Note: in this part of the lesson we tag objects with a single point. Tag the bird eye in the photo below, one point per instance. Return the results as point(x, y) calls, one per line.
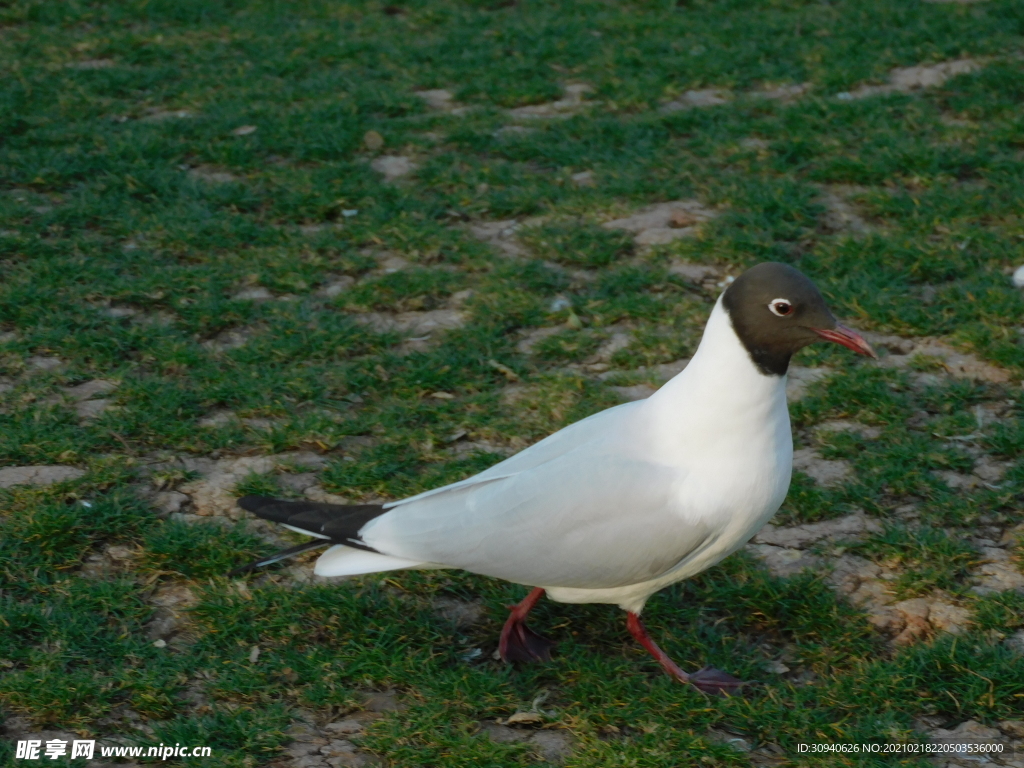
point(780, 307)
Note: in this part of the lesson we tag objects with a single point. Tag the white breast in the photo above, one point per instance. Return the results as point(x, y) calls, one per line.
point(728, 425)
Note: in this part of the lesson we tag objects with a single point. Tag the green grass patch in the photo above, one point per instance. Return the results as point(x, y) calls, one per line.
point(133, 212)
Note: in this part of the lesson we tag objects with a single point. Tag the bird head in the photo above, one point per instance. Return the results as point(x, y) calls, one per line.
point(776, 310)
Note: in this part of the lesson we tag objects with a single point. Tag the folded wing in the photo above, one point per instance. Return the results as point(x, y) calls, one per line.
point(586, 519)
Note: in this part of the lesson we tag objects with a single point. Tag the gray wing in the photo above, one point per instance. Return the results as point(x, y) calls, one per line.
point(551, 447)
point(589, 518)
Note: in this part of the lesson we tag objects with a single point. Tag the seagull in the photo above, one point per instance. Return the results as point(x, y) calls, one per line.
point(621, 504)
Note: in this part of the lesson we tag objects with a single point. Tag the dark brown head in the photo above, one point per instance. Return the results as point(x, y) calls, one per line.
point(776, 310)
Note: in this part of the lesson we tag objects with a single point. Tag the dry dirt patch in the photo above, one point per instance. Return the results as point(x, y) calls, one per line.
point(908, 79)
point(38, 476)
point(571, 103)
point(664, 222)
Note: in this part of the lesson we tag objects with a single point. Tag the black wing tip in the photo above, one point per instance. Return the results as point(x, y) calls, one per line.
point(242, 570)
point(284, 554)
point(255, 503)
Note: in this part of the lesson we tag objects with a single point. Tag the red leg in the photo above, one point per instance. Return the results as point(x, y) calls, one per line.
point(708, 680)
point(520, 643)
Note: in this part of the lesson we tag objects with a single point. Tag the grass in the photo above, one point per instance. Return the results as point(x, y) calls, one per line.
point(110, 200)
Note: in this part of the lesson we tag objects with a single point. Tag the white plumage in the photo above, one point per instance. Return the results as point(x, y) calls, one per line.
point(616, 506)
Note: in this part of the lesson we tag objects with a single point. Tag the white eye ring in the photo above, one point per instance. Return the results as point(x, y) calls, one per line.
point(781, 307)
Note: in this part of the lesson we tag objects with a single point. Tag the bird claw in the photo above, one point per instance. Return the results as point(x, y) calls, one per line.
point(520, 644)
point(715, 681)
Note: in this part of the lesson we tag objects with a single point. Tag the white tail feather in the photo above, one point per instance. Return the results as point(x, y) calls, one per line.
point(340, 560)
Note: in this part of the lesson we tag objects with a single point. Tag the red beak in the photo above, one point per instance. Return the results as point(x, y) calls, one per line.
point(848, 337)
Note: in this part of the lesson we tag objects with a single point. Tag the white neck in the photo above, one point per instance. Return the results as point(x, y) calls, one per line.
point(721, 394)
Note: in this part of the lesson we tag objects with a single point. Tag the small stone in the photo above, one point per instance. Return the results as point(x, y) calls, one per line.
point(951, 619)
point(161, 643)
point(91, 409)
point(169, 502)
point(253, 294)
point(216, 419)
point(393, 167)
point(297, 482)
point(840, 214)
point(45, 363)
point(1015, 641)
point(501, 235)
point(584, 179)
point(998, 576)
point(1014, 728)
point(694, 273)
point(783, 562)
point(382, 701)
point(681, 219)
point(777, 667)
point(254, 654)
point(571, 102)
point(708, 97)
point(336, 287)
point(553, 746)
point(244, 130)
point(303, 733)
point(90, 389)
point(723, 737)
point(957, 481)
point(914, 613)
point(917, 607)
point(502, 734)
point(558, 304)
point(437, 98)
point(212, 175)
point(389, 263)
point(462, 613)
point(337, 747)
point(991, 471)
point(1018, 277)
point(373, 140)
point(345, 727)
point(1012, 535)
point(119, 313)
